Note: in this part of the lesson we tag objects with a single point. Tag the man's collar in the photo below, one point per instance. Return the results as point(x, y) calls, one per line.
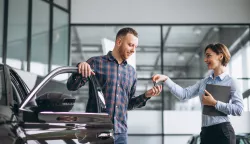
point(112, 58)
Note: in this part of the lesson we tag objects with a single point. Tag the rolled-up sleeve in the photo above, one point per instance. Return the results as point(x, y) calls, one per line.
point(75, 81)
point(235, 106)
point(136, 102)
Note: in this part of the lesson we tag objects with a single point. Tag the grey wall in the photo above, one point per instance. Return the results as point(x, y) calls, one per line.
point(160, 11)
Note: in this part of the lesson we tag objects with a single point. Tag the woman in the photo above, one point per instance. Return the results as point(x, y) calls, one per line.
point(215, 129)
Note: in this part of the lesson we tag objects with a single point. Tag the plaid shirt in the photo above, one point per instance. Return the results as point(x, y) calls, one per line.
point(118, 82)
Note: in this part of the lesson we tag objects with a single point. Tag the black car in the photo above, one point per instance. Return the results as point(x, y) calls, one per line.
point(247, 135)
point(40, 118)
point(240, 139)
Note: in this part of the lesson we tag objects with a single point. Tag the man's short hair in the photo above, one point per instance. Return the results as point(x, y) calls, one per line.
point(124, 31)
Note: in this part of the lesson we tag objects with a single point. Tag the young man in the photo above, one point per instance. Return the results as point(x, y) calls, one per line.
point(118, 80)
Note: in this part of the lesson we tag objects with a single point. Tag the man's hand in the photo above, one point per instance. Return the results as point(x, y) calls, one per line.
point(155, 91)
point(85, 69)
point(159, 78)
point(208, 99)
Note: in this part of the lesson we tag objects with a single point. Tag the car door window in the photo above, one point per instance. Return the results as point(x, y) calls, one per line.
point(241, 142)
point(2, 87)
point(21, 84)
point(18, 92)
point(198, 141)
point(16, 96)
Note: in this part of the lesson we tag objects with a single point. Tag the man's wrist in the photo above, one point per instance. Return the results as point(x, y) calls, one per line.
point(146, 96)
point(214, 103)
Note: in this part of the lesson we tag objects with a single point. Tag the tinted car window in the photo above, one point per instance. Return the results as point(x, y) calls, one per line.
point(2, 87)
point(20, 83)
point(18, 88)
point(198, 141)
point(16, 93)
point(241, 142)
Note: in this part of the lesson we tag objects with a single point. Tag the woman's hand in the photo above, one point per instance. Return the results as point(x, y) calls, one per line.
point(208, 99)
point(159, 78)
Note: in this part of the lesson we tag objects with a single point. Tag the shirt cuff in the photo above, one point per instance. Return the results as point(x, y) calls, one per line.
point(219, 105)
point(144, 98)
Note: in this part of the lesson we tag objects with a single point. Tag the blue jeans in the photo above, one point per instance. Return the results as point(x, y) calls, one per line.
point(121, 138)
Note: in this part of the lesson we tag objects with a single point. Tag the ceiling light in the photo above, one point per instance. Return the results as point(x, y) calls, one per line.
point(197, 30)
point(215, 29)
point(196, 56)
point(181, 57)
point(170, 74)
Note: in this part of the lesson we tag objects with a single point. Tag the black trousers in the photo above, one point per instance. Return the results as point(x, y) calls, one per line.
point(222, 133)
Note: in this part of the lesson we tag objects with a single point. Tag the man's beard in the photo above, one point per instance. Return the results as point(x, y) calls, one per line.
point(122, 53)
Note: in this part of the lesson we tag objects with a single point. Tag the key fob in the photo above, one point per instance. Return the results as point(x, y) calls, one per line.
point(154, 84)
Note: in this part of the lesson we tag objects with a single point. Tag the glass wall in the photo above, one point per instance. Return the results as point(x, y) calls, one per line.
point(1, 27)
point(183, 61)
point(248, 61)
point(62, 3)
point(240, 70)
point(35, 29)
point(60, 39)
point(237, 70)
point(248, 71)
point(17, 34)
point(40, 38)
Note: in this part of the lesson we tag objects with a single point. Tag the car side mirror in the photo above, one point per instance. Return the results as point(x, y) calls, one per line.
point(55, 102)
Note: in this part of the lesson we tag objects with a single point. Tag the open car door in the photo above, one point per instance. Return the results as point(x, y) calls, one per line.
point(51, 118)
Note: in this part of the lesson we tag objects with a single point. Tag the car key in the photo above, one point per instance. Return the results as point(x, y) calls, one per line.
point(154, 83)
